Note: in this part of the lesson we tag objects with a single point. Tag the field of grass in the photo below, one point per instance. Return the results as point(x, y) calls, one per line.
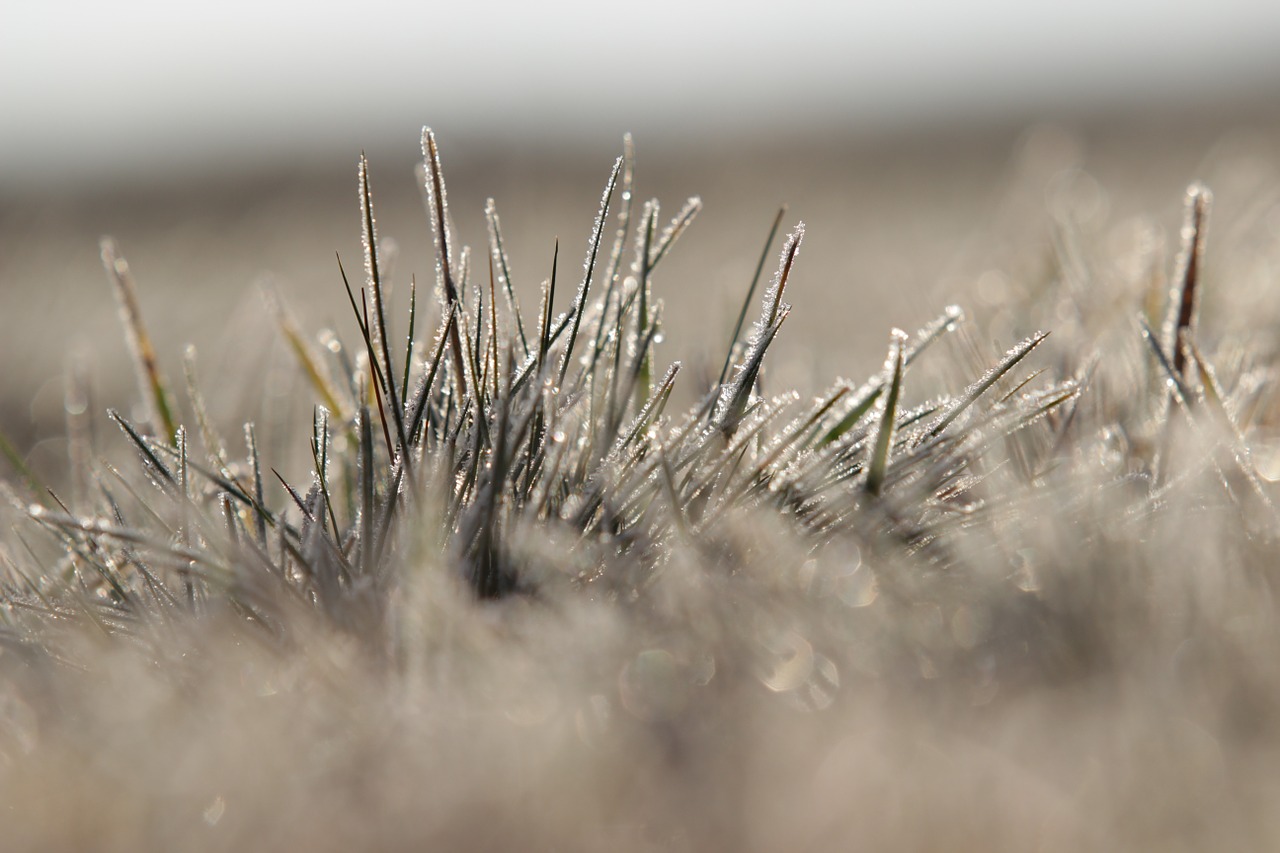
point(512, 572)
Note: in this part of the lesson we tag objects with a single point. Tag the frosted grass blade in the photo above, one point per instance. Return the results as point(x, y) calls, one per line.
point(894, 367)
point(150, 381)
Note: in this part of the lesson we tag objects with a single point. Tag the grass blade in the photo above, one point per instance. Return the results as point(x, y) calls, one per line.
point(593, 250)
point(438, 210)
point(150, 381)
point(1184, 300)
point(504, 272)
point(977, 389)
point(673, 231)
point(751, 293)
point(894, 368)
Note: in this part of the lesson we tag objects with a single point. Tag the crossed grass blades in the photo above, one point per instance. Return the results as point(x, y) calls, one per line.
point(462, 451)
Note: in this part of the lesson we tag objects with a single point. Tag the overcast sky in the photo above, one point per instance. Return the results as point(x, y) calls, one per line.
point(87, 86)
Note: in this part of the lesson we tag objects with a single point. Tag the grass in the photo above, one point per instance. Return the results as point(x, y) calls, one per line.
point(525, 602)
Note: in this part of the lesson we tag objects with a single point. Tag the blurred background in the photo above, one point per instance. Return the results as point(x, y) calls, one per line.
point(933, 148)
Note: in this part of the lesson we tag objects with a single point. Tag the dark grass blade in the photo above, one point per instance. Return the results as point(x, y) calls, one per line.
point(612, 273)
point(428, 380)
point(593, 251)
point(438, 212)
point(409, 340)
point(377, 326)
point(1184, 302)
point(751, 293)
point(492, 349)
point(377, 384)
point(544, 324)
point(1181, 392)
point(733, 404)
point(488, 577)
point(652, 409)
point(734, 397)
point(153, 461)
point(365, 520)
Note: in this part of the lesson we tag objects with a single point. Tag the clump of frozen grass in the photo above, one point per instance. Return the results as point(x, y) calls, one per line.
point(522, 603)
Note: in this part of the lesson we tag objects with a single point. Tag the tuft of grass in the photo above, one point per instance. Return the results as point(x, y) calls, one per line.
point(520, 602)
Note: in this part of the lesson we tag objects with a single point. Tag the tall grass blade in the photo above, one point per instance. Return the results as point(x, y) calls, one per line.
point(751, 293)
point(499, 252)
point(150, 381)
point(438, 210)
point(409, 340)
point(733, 398)
point(373, 278)
point(589, 267)
point(1184, 300)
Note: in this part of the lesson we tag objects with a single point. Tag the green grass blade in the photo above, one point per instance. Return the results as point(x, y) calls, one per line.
point(255, 471)
point(894, 368)
point(870, 393)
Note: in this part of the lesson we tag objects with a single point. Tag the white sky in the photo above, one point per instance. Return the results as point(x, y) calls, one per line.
point(84, 85)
